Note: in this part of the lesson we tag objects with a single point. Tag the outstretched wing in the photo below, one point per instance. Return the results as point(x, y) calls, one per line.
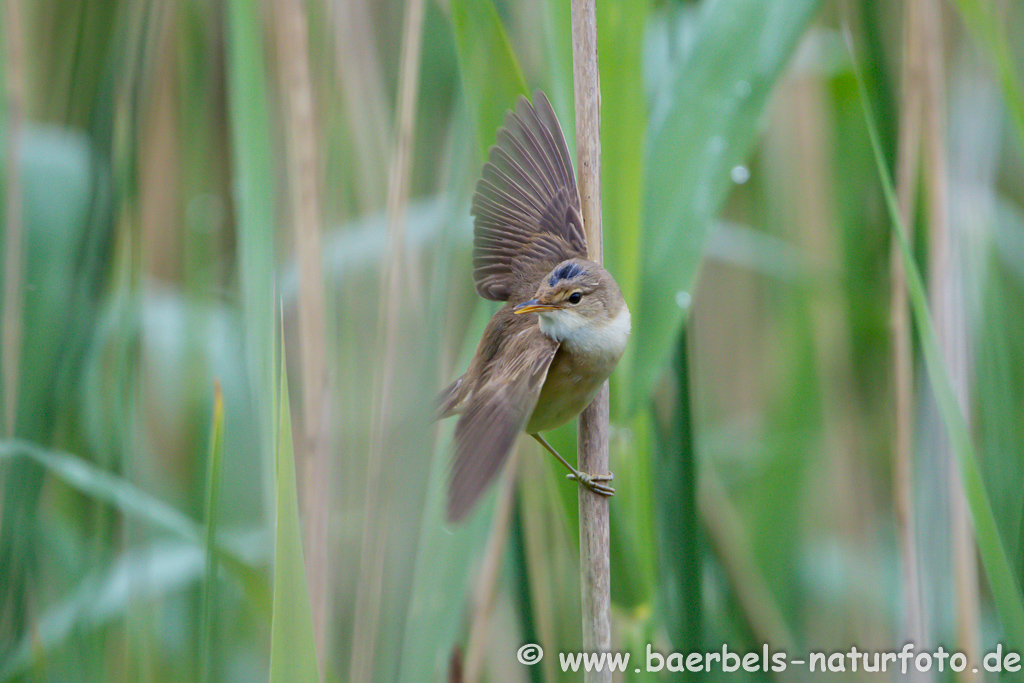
point(496, 413)
point(527, 206)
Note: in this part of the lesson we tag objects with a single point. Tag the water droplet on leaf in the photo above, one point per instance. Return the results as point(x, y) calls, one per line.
point(739, 174)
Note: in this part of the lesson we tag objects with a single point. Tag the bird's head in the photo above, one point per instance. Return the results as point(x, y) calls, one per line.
point(578, 298)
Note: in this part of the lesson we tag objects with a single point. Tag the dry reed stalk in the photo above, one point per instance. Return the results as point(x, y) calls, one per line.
point(374, 540)
point(592, 442)
point(907, 168)
point(13, 295)
point(946, 294)
point(159, 156)
point(304, 212)
point(545, 528)
point(483, 597)
point(362, 80)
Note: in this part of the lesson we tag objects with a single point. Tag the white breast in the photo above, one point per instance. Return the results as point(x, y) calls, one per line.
point(607, 338)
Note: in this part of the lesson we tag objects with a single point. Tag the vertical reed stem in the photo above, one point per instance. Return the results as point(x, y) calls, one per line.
point(907, 169)
point(304, 211)
point(592, 445)
point(13, 299)
point(374, 543)
point(947, 299)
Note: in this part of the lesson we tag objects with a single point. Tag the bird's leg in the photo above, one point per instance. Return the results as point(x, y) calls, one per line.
point(594, 482)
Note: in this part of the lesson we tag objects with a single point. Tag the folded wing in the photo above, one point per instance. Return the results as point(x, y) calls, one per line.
point(495, 414)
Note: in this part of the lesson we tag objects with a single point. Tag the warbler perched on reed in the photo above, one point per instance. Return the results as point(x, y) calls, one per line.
point(545, 354)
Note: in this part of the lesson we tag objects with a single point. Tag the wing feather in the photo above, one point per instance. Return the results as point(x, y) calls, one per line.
point(526, 206)
point(495, 414)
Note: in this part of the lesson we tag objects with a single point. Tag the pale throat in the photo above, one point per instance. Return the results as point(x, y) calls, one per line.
point(604, 337)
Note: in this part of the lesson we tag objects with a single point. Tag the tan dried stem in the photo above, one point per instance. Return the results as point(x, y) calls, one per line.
point(304, 212)
point(946, 294)
point(486, 586)
point(159, 153)
point(13, 297)
point(366, 107)
point(912, 96)
point(592, 442)
point(374, 540)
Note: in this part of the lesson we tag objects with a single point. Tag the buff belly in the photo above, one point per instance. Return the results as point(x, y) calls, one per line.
point(585, 359)
point(567, 390)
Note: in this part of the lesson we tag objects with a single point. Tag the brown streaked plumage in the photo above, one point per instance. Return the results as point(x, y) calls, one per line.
point(531, 372)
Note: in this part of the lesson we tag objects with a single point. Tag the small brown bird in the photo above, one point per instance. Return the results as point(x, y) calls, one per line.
point(531, 372)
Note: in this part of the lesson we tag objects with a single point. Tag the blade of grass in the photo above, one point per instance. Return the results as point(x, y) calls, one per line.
point(490, 72)
point(434, 623)
point(103, 595)
point(444, 554)
point(675, 512)
point(292, 648)
point(1000, 345)
point(728, 533)
point(1005, 591)
point(368, 117)
point(550, 550)
point(301, 133)
point(397, 280)
point(947, 280)
point(209, 597)
point(620, 33)
point(559, 65)
point(634, 548)
point(104, 486)
point(132, 501)
point(55, 310)
point(487, 579)
point(703, 123)
point(254, 180)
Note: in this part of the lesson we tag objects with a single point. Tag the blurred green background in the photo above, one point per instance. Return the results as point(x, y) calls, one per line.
point(207, 204)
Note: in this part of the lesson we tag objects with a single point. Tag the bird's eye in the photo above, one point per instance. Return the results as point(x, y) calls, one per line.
point(575, 297)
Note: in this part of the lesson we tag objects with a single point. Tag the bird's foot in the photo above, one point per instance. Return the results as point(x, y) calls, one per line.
point(594, 482)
